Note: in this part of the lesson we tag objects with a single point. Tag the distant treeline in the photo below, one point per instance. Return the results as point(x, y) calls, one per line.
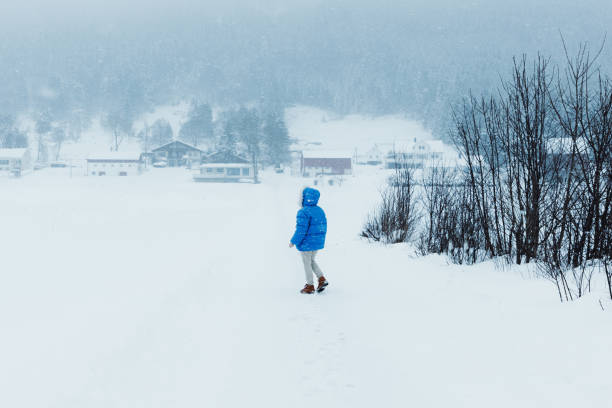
point(413, 58)
point(258, 134)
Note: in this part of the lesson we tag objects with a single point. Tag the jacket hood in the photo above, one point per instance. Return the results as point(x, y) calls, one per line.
point(310, 197)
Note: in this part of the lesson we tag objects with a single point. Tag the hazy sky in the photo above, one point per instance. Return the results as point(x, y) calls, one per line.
point(54, 10)
point(74, 10)
point(48, 11)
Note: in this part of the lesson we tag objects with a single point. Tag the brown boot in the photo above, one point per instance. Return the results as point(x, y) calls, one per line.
point(322, 284)
point(308, 289)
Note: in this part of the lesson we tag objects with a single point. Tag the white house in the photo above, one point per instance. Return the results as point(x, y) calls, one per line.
point(177, 153)
point(224, 167)
point(372, 157)
point(114, 164)
point(420, 154)
point(15, 160)
point(224, 172)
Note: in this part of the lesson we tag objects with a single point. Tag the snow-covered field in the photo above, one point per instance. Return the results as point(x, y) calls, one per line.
point(155, 291)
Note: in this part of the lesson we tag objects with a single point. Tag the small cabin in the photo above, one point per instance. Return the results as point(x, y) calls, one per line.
point(224, 167)
point(15, 161)
point(114, 164)
point(318, 163)
point(374, 156)
point(417, 155)
point(177, 154)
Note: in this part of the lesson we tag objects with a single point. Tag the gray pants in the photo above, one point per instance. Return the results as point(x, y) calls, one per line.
point(310, 266)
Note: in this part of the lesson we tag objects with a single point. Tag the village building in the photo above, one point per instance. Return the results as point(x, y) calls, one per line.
point(321, 163)
point(177, 154)
point(373, 157)
point(15, 161)
point(114, 164)
point(296, 163)
point(224, 167)
point(417, 155)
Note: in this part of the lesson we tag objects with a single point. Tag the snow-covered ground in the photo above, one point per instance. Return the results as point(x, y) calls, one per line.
point(155, 291)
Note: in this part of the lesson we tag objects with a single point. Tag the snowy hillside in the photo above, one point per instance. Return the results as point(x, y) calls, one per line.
point(310, 127)
point(156, 291)
point(314, 128)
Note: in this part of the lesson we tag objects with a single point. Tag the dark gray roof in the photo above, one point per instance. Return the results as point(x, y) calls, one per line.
point(177, 144)
point(224, 157)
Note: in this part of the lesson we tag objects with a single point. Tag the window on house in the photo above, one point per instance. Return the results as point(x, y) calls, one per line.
point(220, 170)
point(209, 169)
point(123, 173)
point(4, 162)
point(233, 172)
point(245, 172)
point(102, 173)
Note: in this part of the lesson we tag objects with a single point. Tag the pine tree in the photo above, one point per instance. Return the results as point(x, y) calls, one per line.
point(58, 135)
point(10, 136)
point(120, 123)
point(228, 139)
point(276, 139)
point(44, 124)
point(7, 123)
point(198, 126)
point(250, 135)
point(161, 133)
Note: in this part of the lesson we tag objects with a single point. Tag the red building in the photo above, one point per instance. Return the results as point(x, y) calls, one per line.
point(316, 163)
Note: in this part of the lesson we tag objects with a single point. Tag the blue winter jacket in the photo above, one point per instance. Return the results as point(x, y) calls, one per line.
point(311, 225)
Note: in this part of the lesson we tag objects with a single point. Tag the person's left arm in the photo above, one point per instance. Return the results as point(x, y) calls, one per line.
point(301, 227)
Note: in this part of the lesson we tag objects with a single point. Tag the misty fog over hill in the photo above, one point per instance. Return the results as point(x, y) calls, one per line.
point(414, 58)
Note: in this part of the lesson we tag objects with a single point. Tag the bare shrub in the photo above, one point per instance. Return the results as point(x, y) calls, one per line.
point(451, 219)
point(571, 283)
point(396, 218)
point(538, 171)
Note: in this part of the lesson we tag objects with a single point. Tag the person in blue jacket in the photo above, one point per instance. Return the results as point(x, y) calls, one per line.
point(309, 237)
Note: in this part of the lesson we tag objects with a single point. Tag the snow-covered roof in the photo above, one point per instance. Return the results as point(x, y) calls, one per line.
point(425, 146)
point(563, 145)
point(177, 142)
point(224, 165)
point(224, 157)
point(326, 154)
point(12, 153)
point(114, 156)
point(437, 145)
